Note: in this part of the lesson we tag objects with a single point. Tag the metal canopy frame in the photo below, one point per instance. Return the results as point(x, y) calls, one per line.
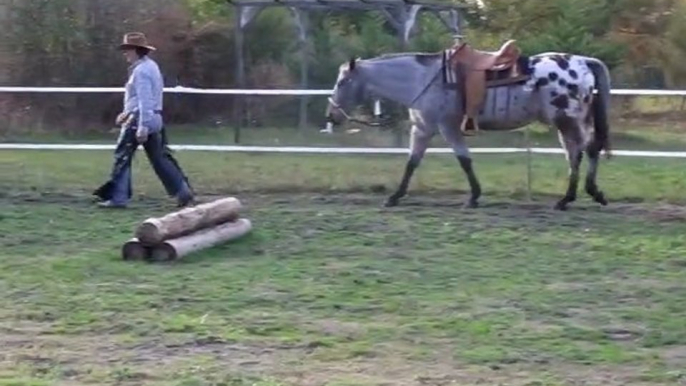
point(401, 14)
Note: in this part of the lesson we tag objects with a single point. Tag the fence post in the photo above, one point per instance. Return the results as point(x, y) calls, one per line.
point(528, 163)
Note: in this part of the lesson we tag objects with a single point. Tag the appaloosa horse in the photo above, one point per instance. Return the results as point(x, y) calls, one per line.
point(559, 91)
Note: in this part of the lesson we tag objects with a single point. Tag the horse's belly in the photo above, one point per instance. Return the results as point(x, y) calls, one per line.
point(507, 108)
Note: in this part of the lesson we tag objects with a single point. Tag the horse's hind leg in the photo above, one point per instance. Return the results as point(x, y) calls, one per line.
point(593, 152)
point(419, 141)
point(571, 139)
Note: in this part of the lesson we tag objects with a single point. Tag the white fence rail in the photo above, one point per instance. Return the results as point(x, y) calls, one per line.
point(336, 150)
point(296, 149)
point(275, 92)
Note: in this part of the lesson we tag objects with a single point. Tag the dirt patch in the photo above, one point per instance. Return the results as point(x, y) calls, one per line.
point(675, 356)
point(79, 357)
point(448, 198)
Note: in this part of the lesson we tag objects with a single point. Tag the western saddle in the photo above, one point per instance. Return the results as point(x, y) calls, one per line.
point(484, 69)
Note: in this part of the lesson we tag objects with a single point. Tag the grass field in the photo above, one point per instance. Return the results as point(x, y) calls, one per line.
point(332, 289)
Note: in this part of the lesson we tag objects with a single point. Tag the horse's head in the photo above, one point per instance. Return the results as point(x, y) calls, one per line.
point(348, 93)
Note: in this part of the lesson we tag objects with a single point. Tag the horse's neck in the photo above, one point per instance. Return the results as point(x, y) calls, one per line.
point(400, 80)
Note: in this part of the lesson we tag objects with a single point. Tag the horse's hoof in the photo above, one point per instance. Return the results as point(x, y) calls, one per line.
point(390, 203)
point(471, 204)
point(561, 205)
point(600, 199)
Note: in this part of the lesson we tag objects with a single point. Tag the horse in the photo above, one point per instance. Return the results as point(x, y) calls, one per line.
point(559, 91)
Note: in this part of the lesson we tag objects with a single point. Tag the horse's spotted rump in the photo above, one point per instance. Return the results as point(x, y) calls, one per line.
point(542, 82)
point(568, 82)
point(573, 91)
point(561, 102)
point(561, 61)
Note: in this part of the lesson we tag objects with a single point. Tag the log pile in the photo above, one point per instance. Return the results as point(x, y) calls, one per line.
point(188, 230)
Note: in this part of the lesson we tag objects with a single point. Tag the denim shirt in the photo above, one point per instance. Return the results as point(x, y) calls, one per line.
point(143, 94)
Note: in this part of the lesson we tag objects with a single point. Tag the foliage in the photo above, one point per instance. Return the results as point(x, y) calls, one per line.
point(72, 42)
point(577, 26)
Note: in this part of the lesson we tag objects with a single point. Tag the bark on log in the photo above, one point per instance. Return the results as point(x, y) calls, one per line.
point(173, 249)
point(188, 220)
point(135, 250)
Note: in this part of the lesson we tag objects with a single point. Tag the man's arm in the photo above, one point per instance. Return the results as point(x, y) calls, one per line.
point(143, 85)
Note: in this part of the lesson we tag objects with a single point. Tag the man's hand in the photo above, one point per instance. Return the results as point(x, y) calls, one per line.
point(142, 134)
point(121, 118)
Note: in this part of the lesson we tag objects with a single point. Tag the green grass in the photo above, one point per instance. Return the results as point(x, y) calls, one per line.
point(331, 289)
point(641, 135)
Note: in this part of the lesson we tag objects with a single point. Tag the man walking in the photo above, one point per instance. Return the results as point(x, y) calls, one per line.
point(141, 123)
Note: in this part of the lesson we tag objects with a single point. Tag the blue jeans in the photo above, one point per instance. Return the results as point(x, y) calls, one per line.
point(119, 189)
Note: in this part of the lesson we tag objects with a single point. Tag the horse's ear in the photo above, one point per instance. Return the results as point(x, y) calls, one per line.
point(351, 64)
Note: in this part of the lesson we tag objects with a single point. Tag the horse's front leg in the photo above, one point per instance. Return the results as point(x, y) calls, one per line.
point(419, 141)
point(454, 137)
point(474, 186)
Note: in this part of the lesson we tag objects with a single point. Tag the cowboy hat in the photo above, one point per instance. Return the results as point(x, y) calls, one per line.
point(135, 39)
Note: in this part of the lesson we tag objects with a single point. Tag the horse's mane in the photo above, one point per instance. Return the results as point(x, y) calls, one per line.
point(419, 56)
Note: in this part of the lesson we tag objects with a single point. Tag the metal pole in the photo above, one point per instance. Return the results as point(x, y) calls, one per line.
point(240, 74)
point(528, 163)
point(302, 24)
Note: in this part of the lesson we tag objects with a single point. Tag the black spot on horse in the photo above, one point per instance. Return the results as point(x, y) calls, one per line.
point(562, 82)
point(561, 62)
point(573, 74)
point(553, 76)
point(587, 98)
point(541, 82)
point(573, 91)
point(567, 56)
point(561, 102)
point(535, 61)
point(525, 64)
point(553, 93)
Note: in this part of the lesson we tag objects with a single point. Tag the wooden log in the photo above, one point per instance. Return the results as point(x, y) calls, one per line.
point(188, 220)
point(173, 249)
point(135, 250)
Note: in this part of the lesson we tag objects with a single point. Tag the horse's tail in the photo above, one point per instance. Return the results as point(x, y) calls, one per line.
point(601, 104)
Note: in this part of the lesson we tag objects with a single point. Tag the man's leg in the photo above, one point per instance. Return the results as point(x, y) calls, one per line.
point(167, 169)
point(117, 191)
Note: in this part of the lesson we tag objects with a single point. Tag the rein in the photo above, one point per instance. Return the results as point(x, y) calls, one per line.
point(350, 118)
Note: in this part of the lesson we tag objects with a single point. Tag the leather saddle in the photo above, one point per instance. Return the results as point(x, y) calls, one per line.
point(484, 69)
